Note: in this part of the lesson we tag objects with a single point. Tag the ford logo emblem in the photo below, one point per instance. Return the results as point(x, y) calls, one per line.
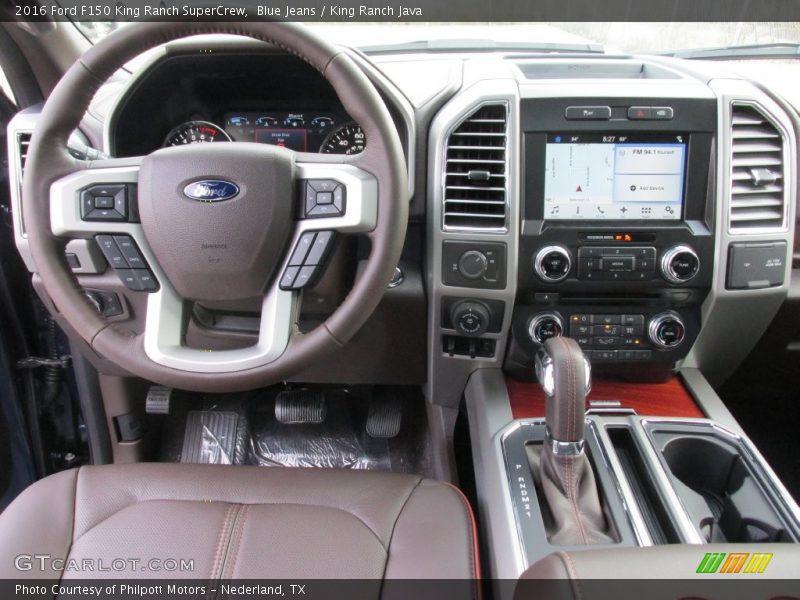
point(211, 190)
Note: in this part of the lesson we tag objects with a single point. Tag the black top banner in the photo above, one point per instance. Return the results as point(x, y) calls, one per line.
point(449, 11)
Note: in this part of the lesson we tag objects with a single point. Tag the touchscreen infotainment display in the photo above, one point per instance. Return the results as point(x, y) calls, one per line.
point(614, 177)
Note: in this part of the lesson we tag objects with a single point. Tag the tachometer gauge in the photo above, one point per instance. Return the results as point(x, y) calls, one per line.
point(348, 139)
point(196, 132)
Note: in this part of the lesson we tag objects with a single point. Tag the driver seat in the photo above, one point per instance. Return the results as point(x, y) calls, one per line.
point(237, 522)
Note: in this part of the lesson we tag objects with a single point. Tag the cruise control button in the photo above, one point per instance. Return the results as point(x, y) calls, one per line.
point(319, 248)
point(147, 283)
point(130, 251)
point(130, 279)
point(302, 248)
point(111, 251)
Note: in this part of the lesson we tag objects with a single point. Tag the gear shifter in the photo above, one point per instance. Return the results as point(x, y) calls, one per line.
point(565, 473)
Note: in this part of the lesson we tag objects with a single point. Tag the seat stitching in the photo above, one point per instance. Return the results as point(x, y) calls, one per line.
point(71, 541)
point(394, 525)
point(216, 570)
point(229, 537)
point(474, 559)
point(237, 533)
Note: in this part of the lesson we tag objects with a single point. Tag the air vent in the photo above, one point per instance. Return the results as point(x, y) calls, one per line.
point(758, 201)
point(23, 141)
point(475, 172)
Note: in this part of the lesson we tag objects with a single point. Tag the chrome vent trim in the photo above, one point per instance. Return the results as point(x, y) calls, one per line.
point(759, 200)
point(475, 190)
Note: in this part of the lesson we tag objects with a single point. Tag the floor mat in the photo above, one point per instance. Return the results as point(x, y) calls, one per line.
point(197, 422)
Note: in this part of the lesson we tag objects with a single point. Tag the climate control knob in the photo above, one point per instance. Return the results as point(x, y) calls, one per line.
point(470, 317)
point(552, 263)
point(544, 326)
point(679, 264)
point(473, 264)
point(667, 330)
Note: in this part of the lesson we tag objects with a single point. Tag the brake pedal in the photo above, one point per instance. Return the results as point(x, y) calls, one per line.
point(300, 406)
point(384, 418)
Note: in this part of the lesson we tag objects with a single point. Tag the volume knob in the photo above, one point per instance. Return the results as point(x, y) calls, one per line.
point(552, 263)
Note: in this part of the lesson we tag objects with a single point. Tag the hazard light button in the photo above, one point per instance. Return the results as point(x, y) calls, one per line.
point(638, 113)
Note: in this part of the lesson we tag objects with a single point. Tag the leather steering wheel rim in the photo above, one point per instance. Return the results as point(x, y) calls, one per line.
point(48, 161)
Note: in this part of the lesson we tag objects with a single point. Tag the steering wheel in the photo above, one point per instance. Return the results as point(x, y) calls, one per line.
point(215, 221)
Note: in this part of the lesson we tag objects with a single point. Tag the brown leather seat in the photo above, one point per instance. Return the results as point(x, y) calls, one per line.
point(242, 522)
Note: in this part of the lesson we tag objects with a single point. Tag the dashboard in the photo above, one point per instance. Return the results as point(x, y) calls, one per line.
point(637, 204)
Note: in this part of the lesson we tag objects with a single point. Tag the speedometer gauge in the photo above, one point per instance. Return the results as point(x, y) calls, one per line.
point(196, 132)
point(348, 139)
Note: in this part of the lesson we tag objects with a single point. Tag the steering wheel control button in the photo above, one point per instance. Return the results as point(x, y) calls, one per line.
point(130, 251)
point(304, 277)
point(129, 279)
point(112, 252)
point(145, 279)
point(301, 249)
point(104, 203)
point(319, 248)
point(309, 253)
point(324, 198)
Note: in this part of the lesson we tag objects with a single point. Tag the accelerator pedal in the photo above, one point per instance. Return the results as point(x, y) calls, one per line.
point(385, 416)
point(300, 406)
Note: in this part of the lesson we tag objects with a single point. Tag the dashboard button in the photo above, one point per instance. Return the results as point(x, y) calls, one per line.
point(581, 319)
point(582, 330)
point(607, 329)
point(663, 113)
point(627, 355)
point(588, 113)
point(605, 354)
point(638, 113)
point(606, 342)
point(619, 263)
point(608, 319)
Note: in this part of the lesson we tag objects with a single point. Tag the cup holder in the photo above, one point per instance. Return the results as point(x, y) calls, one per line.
point(718, 489)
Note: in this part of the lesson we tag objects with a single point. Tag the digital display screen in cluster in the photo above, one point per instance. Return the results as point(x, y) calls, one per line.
point(300, 131)
point(614, 177)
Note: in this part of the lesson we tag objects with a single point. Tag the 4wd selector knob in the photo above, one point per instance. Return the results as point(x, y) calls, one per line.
point(544, 326)
point(666, 330)
point(679, 264)
point(473, 264)
point(552, 263)
point(470, 317)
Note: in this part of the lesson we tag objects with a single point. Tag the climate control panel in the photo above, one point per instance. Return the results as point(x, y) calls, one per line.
point(611, 336)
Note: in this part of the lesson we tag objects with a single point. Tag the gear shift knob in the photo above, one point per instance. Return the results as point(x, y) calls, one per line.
point(565, 375)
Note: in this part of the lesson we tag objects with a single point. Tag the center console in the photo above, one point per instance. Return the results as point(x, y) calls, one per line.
point(646, 213)
point(616, 244)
